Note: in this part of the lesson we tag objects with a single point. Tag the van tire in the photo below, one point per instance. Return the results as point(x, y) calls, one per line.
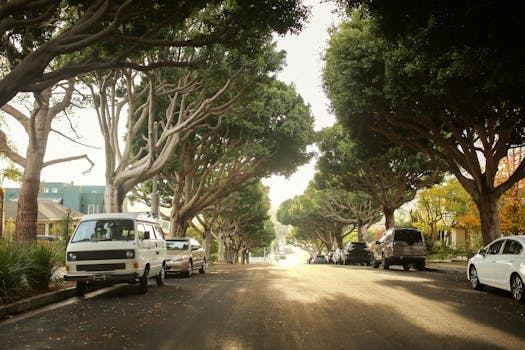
point(161, 276)
point(80, 289)
point(143, 282)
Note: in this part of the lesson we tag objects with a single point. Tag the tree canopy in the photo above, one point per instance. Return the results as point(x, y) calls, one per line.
point(444, 80)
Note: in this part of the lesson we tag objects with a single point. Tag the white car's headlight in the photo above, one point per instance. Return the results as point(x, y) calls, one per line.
point(71, 256)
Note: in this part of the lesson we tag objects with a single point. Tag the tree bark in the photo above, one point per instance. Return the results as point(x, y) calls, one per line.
point(390, 219)
point(489, 217)
point(361, 233)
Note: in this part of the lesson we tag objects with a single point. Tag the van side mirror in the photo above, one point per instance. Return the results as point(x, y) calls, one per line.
point(146, 235)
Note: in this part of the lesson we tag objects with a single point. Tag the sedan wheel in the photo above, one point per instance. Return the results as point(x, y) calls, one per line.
point(516, 287)
point(474, 280)
point(161, 276)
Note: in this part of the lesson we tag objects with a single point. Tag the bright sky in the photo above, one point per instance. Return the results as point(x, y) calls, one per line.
point(303, 69)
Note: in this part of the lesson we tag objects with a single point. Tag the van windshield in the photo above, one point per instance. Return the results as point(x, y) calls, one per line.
point(409, 236)
point(104, 230)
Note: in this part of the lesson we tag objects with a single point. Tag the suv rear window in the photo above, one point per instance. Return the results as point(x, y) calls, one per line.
point(409, 236)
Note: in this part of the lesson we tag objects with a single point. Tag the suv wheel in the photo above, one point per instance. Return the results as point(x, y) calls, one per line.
point(374, 262)
point(386, 262)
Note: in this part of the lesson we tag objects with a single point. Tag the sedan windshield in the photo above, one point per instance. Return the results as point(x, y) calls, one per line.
point(177, 245)
point(104, 230)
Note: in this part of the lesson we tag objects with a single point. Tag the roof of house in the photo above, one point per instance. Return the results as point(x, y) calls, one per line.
point(48, 210)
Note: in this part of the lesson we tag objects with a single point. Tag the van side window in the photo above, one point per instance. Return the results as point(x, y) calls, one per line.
point(159, 232)
point(151, 231)
point(140, 231)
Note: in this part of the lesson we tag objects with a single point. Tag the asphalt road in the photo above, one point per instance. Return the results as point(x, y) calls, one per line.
point(280, 307)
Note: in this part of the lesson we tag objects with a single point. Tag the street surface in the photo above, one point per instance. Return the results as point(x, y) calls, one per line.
point(280, 307)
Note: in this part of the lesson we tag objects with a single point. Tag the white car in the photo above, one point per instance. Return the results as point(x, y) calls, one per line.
point(501, 264)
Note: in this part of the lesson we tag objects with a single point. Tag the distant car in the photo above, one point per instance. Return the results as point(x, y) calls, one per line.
point(320, 259)
point(185, 254)
point(330, 257)
point(501, 264)
point(357, 253)
point(339, 256)
point(400, 246)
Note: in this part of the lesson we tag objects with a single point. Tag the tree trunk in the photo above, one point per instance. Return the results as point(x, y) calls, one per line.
point(390, 220)
point(221, 254)
point(178, 226)
point(113, 197)
point(2, 199)
point(27, 212)
point(206, 243)
point(489, 216)
point(362, 233)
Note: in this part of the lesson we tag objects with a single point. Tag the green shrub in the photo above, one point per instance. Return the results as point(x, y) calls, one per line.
point(13, 265)
point(43, 260)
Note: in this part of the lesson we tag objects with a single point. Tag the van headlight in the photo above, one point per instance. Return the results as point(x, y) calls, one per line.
point(71, 256)
point(130, 254)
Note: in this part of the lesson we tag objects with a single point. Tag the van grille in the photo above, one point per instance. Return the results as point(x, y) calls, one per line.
point(101, 255)
point(101, 267)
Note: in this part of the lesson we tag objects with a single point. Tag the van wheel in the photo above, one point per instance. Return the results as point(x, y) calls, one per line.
point(203, 267)
point(143, 282)
point(161, 276)
point(80, 289)
point(386, 262)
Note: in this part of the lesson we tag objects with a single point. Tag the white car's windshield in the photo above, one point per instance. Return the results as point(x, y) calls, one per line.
point(104, 230)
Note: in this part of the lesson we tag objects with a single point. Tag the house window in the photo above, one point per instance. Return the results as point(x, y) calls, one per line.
point(91, 209)
point(54, 190)
point(46, 190)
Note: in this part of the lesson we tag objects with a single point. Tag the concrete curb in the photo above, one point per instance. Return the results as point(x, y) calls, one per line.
point(36, 302)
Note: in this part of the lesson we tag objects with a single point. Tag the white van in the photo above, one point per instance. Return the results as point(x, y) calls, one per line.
point(116, 248)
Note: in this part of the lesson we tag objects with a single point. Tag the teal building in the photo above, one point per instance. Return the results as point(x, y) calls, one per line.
point(84, 199)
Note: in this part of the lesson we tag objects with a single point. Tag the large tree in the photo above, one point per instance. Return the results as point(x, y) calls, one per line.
point(44, 42)
point(37, 124)
point(389, 174)
point(444, 78)
point(268, 133)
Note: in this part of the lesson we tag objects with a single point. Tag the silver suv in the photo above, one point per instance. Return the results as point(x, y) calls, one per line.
point(400, 246)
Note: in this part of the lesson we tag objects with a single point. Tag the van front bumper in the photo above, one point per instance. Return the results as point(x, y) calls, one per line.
point(104, 277)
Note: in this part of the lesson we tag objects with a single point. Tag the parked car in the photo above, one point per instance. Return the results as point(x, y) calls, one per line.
point(116, 248)
point(400, 246)
point(357, 253)
point(339, 256)
point(185, 254)
point(330, 257)
point(320, 259)
point(501, 264)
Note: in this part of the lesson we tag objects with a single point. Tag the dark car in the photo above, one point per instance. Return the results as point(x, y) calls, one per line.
point(357, 253)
